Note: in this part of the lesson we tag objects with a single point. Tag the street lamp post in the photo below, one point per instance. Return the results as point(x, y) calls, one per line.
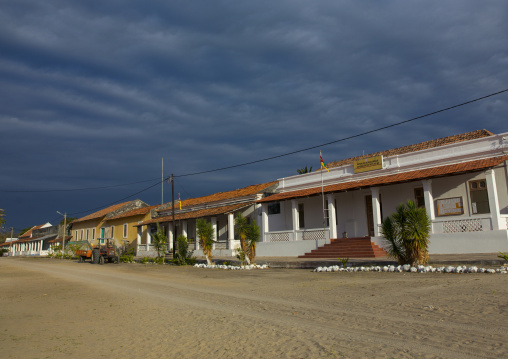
point(63, 234)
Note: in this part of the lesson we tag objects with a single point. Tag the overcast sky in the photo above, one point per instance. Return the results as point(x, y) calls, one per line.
point(94, 93)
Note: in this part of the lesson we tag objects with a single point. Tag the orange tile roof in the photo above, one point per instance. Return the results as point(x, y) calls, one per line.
point(242, 192)
point(417, 147)
point(392, 179)
point(134, 212)
point(59, 239)
point(28, 233)
point(100, 213)
point(197, 214)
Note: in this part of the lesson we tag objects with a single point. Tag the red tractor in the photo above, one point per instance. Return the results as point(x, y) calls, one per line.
point(98, 254)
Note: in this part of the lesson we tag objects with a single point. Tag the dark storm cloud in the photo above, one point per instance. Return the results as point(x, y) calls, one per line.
point(94, 93)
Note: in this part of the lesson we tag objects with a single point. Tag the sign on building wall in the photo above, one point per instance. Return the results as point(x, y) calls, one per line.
point(450, 206)
point(368, 164)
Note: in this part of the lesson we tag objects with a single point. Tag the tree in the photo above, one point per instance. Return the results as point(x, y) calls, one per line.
point(3, 235)
point(242, 229)
point(253, 234)
point(24, 230)
point(160, 241)
point(303, 170)
point(206, 238)
point(407, 232)
point(68, 220)
point(2, 218)
point(183, 255)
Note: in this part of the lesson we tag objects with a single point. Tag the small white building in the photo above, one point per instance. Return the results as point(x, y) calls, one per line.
point(461, 181)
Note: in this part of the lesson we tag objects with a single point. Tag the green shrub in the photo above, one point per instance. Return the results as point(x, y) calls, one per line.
point(3, 251)
point(158, 260)
point(127, 256)
point(145, 260)
point(183, 256)
point(503, 256)
point(343, 261)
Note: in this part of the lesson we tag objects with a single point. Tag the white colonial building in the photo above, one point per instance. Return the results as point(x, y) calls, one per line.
point(461, 181)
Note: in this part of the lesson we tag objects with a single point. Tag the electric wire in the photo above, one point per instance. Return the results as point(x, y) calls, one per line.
point(78, 189)
point(341, 139)
point(278, 156)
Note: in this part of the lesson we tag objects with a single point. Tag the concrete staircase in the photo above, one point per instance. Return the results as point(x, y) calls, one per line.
point(347, 248)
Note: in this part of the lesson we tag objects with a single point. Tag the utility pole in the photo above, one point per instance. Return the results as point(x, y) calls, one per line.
point(65, 224)
point(63, 237)
point(173, 210)
point(162, 182)
point(10, 245)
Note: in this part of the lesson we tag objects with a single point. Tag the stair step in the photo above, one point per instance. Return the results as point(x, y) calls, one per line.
point(347, 248)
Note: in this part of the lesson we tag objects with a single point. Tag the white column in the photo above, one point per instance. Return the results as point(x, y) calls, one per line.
point(213, 220)
point(264, 222)
point(294, 217)
point(170, 236)
point(138, 236)
point(332, 216)
point(184, 228)
point(376, 210)
point(429, 198)
point(196, 235)
point(231, 230)
point(148, 237)
point(497, 223)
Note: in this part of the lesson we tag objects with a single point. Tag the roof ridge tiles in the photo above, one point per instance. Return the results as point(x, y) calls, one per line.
point(417, 146)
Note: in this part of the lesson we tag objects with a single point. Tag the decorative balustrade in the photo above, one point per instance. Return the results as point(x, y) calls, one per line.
point(463, 225)
point(289, 236)
point(279, 236)
point(313, 235)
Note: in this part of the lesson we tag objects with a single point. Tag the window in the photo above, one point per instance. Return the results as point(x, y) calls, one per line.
point(112, 232)
point(479, 197)
point(419, 198)
point(82, 231)
point(125, 230)
point(103, 230)
point(87, 232)
point(75, 235)
point(93, 234)
point(327, 214)
point(274, 208)
point(301, 216)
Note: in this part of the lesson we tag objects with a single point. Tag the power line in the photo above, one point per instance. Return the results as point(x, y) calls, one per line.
point(122, 199)
point(264, 159)
point(78, 189)
point(342, 139)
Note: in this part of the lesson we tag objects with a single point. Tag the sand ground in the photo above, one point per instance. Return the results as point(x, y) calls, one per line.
point(64, 309)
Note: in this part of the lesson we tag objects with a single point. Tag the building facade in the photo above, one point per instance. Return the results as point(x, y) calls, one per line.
point(460, 180)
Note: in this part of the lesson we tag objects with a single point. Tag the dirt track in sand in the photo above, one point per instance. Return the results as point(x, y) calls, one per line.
point(57, 309)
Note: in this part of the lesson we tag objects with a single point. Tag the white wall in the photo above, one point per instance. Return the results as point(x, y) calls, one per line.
point(502, 187)
point(472, 242)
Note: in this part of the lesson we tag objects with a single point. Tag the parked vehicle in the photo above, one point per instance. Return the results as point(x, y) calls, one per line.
point(98, 254)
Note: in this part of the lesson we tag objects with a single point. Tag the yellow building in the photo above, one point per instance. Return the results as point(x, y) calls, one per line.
point(115, 222)
point(123, 225)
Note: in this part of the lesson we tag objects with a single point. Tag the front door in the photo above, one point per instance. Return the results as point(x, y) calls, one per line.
point(370, 215)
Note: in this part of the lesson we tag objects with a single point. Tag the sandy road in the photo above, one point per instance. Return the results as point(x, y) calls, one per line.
point(54, 309)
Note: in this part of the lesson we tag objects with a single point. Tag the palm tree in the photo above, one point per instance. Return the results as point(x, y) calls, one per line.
point(303, 170)
point(206, 238)
point(242, 229)
point(407, 232)
point(251, 240)
point(160, 241)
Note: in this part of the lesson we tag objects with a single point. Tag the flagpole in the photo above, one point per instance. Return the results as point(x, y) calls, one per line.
point(323, 197)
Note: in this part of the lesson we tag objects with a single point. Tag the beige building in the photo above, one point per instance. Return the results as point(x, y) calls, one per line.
point(115, 222)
